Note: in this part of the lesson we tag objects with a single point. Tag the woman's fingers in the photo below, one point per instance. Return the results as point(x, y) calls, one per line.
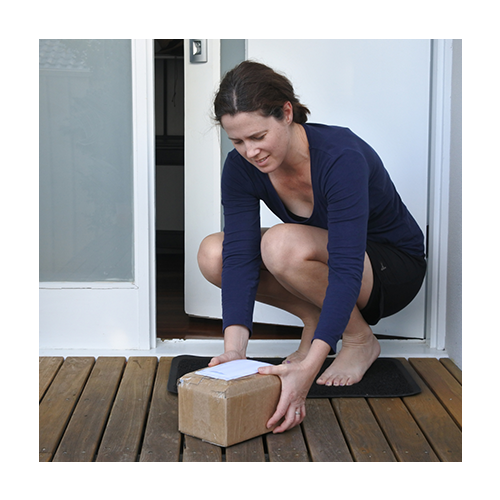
point(291, 405)
point(224, 358)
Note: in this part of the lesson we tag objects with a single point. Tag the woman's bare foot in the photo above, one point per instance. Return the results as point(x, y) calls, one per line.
point(305, 342)
point(296, 357)
point(358, 353)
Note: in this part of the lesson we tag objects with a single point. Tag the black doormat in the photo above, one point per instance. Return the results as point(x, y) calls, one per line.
point(386, 378)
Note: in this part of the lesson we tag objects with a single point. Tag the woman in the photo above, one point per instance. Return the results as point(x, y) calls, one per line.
point(347, 254)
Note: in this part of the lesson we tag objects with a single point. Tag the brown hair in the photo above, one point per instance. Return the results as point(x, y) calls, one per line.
point(252, 86)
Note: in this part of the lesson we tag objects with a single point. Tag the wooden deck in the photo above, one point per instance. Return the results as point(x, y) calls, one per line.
point(114, 410)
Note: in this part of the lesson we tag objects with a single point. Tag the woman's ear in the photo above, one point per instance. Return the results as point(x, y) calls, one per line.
point(288, 112)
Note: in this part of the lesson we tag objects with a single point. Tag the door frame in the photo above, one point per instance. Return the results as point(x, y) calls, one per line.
point(439, 192)
point(108, 315)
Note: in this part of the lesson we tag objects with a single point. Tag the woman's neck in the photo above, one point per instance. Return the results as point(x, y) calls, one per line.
point(298, 158)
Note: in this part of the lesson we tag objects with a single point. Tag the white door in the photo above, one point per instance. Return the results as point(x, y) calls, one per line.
point(378, 88)
point(96, 194)
point(202, 168)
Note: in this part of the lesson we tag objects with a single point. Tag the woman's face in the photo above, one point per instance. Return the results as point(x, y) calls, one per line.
point(264, 141)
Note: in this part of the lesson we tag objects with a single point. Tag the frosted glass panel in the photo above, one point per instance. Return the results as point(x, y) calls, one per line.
point(86, 170)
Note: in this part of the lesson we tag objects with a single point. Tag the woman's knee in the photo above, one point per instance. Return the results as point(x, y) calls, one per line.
point(285, 246)
point(278, 248)
point(210, 258)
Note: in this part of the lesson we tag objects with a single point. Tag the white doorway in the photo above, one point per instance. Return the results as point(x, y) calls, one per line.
point(77, 315)
point(378, 88)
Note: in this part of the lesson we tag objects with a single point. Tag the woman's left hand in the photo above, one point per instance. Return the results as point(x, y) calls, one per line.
point(296, 380)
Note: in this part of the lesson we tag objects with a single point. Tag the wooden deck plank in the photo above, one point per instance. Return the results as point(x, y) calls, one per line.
point(322, 432)
point(452, 368)
point(443, 385)
point(362, 432)
point(288, 446)
point(122, 437)
point(417, 428)
point(403, 434)
point(437, 425)
point(162, 439)
point(45, 457)
point(47, 370)
point(83, 434)
point(61, 397)
point(248, 451)
point(196, 450)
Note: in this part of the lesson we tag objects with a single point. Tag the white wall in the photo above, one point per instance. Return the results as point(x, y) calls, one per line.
point(454, 283)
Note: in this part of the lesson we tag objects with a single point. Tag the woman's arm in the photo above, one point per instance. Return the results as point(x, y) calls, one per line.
point(241, 246)
point(235, 345)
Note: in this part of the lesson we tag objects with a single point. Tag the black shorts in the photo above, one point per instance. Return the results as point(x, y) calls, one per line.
point(397, 278)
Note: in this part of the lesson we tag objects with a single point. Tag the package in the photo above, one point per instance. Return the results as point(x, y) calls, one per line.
point(226, 412)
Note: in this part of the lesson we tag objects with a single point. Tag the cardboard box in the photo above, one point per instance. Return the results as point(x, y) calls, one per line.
point(226, 412)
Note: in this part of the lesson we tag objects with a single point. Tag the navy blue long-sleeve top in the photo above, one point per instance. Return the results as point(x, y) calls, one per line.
point(354, 200)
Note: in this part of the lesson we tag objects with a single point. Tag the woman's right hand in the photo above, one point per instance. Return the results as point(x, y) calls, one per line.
point(235, 345)
point(227, 356)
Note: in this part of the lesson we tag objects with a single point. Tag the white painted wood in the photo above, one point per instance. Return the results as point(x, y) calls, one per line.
point(256, 348)
point(439, 193)
point(202, 177)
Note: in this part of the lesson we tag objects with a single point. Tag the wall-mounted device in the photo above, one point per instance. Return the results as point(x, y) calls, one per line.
point(198, 51)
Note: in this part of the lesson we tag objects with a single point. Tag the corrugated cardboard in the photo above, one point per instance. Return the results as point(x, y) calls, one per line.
point(227, 412)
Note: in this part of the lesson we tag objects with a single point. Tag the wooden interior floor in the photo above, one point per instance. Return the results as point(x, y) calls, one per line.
point(114, 410)
point(173, 322)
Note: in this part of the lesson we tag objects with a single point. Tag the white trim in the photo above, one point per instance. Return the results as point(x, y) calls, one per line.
point(256, 348)
point(152, 190)
point(85, 285)
point(439, 187)
point(144, 172)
